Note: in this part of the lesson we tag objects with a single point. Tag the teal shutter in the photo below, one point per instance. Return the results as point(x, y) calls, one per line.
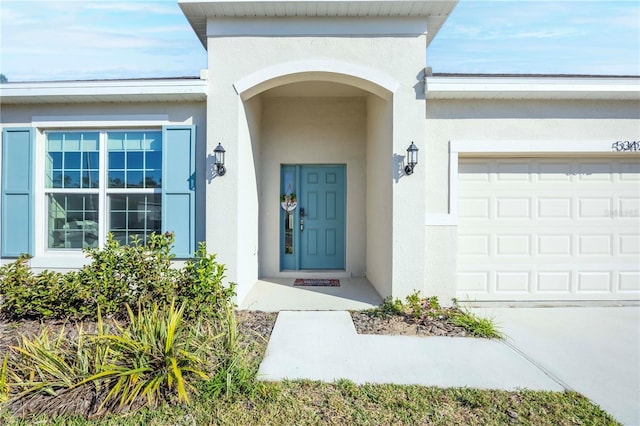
point(17, 192)
point(178, 187)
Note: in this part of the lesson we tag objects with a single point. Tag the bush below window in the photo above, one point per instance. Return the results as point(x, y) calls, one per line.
point(135, 274)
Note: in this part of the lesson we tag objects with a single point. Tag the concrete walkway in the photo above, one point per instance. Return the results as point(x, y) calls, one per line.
point(595, 351)
point(325, 346)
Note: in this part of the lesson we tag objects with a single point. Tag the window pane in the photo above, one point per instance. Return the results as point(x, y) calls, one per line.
point(54, 160)
point(115, 141)
point(153, 160)
point(116, 160)
point(90, 179)
point(135, 160)
point(56, 179)
point(91, 160)
point(72, 220)
point(71, 158)
point(135, 180)
point(71, 179)
point(134, 214)
point(153, 179)
point(116, 178)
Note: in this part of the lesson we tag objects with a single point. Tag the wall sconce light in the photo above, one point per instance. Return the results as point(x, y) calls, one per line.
point(412, 158)
point(218, 154)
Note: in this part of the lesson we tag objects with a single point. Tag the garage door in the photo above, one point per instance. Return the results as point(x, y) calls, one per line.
point(549, 229)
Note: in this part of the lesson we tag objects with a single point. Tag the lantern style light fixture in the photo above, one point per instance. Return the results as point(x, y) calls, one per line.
point(218, 159)
point(412, 158)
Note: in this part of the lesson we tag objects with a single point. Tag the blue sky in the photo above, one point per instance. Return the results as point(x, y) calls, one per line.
point(70, 40)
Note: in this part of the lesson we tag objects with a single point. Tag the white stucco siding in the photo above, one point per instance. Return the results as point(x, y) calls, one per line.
point(389, 67)
point(535, 128)
point(103, 116)
point(379, 192)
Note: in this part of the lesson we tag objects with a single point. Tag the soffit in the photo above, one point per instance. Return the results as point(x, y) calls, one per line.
point(435, 12)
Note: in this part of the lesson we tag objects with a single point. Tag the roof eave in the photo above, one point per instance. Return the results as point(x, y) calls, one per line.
point(198, 12)
point(574, 88)
point(187, 90)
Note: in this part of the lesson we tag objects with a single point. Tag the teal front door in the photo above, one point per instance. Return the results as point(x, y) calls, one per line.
point(318, 237)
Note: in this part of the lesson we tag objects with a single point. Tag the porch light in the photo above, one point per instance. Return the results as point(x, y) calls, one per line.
point(412, 158)
point(218, 154)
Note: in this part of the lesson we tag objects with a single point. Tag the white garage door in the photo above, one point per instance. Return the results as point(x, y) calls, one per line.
point(549, 229)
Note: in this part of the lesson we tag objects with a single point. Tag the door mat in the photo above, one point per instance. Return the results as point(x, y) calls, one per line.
point(317, 282)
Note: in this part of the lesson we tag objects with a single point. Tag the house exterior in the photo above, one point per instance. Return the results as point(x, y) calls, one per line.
point(527, 188)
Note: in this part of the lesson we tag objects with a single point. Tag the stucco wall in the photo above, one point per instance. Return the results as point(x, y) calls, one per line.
point(389, 66)
point(517, 121)
point(94, 115)
point(379, 210)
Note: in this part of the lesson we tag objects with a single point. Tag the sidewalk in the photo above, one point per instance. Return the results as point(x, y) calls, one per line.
point(325, 346)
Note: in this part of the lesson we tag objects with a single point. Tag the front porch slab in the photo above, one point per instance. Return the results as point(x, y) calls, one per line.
point(279, 294)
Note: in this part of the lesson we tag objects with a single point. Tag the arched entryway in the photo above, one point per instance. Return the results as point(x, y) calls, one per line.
point(335, 127)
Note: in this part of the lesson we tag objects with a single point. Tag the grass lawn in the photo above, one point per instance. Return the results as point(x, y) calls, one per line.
point(344, 403)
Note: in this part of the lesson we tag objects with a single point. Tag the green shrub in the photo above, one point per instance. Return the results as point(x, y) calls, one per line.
point(130, 274)
point(201, 287)
point(118, 275)
point(45, 295)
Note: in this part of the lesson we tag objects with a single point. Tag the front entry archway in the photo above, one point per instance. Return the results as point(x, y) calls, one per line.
point(312, 225)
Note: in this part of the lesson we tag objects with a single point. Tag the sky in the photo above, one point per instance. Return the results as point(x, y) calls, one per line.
point(78, 40)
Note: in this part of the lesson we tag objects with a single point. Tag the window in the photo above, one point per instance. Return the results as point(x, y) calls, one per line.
point(88, 172)
point(56, 193)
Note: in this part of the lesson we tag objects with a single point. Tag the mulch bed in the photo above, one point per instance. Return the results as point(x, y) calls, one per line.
point(257, 325)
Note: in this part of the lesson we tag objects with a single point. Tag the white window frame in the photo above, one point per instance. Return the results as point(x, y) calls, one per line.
point(75, 258)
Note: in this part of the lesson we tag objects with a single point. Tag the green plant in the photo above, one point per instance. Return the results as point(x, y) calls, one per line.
point(130, 274)
point(45, 295)
point(201, 287)
point(477, 326)
point(153, 358)
point(389, 306)
point(415, 304)
point(236, 371)
point(4, 383)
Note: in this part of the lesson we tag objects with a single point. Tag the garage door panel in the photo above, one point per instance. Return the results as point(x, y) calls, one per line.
point(589, 245)
point(513, 245)
point(554, 245)
point(592, 207)
point(629, 245)
point(554, 207)
point(594, 282)
point(569, 230)
point(475, 208)
point(629, 281)
point(554, 282)
point(509, 208)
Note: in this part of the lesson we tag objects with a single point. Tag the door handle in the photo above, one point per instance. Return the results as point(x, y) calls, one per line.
point(301, 225)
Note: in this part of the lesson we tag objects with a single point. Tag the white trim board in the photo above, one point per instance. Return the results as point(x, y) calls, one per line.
point(531, 147)
point(465, 147)
point(92, 121)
